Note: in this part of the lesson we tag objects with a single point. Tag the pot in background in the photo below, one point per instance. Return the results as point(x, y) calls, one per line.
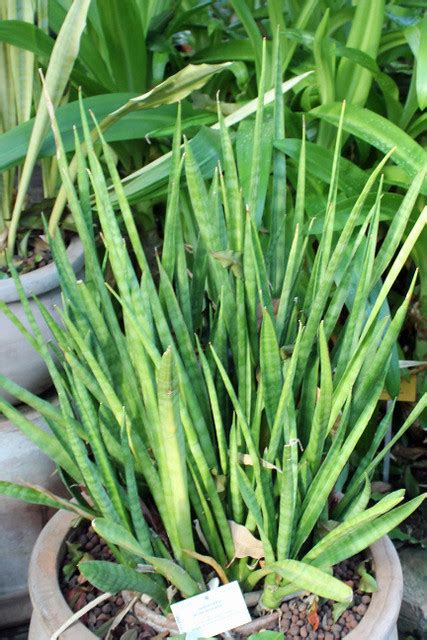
point(20, 523)
point(18, 360)
point(50, 609)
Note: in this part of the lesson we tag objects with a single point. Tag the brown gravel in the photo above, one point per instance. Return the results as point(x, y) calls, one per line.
point(295, 621)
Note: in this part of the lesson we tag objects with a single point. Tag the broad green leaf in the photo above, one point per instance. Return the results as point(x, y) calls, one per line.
point(230, 50)
point(380, 133)
point(14, 143)
point(170, 570)
point(319, 161)
point(309, 578)
point(114, 578)
point(27, 36)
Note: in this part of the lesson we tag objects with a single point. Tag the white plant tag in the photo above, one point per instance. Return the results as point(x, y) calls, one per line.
point(211, 613)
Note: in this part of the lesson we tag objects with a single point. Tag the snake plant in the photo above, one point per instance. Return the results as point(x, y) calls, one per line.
point(224, 387)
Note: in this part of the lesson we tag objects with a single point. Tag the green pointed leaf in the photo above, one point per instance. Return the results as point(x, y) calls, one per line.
point(310, 579)
point(367, 583)
point(114, 578)
point(175, 88)
point(271, 367)
point(41, 496)
point(119, 536)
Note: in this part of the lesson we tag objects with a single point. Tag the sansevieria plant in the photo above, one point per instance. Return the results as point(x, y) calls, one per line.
point(229, 385)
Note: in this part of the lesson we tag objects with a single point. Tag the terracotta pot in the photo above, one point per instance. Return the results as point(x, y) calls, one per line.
point(50, 610)
point(18, 360)
point(20, 523)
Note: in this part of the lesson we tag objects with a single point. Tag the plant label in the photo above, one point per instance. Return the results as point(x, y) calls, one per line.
point(211, 613)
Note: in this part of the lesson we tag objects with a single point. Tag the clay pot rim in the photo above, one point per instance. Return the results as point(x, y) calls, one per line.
point(52, 608)
point(46, 278)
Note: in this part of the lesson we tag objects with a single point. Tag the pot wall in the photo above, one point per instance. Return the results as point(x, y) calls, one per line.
point(18, 360)
point(50, 609)
point(20, 523)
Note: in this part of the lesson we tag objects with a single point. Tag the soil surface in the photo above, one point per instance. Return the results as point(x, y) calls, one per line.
point(33, 254)
point(298, 618)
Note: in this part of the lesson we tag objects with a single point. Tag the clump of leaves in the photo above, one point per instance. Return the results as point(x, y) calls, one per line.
point(225, 394)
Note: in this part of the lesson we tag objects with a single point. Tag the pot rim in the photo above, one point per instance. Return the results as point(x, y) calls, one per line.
point(46, 278)
point(52, 608)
